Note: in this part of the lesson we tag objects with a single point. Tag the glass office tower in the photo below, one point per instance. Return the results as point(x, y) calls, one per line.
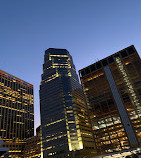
point(112, 87)
point(66, 130)
point(16, 113)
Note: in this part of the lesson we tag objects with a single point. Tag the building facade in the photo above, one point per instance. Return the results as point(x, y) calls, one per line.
point(32, 148)
point(112, 88)
point(66, 130)
point(16, 113)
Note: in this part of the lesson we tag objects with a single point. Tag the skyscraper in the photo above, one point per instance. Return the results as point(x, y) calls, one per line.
point(112, 87)
point(64, 119)
point(16, 112)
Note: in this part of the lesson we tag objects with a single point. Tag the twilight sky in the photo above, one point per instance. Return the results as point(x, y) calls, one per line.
point(89, 29)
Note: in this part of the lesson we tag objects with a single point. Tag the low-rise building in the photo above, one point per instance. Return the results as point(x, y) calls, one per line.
point(33, 146)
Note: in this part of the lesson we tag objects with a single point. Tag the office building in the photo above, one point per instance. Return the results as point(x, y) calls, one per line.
point(66, 130)
point(16, 113)
point(112, 88)
point(32, 146)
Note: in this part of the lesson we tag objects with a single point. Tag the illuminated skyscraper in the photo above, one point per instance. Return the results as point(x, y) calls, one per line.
point(16, 112)
point(112, 87)
point(64, 119)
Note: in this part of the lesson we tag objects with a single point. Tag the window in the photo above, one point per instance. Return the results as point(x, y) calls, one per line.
point(98, 65)
point(93, 68)
point(110, 60)
point(130, 50)
point(117, 55)
point(104, 62)
point(87, 70)
point(124, 54)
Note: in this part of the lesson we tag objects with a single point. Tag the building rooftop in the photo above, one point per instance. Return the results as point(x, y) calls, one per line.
point(57, 51)
point(108, 60)
point(15, 78)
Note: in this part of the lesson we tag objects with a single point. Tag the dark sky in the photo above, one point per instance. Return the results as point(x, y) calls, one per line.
point(89, 29)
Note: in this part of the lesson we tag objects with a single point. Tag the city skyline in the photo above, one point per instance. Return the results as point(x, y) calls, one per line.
point(91, 30)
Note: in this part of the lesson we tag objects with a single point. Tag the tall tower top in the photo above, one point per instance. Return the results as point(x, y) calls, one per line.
point(56, 51)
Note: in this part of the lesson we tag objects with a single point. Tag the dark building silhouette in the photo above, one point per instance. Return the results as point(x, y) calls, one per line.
point(112, 87)
point(66, 130)
point(16, 113)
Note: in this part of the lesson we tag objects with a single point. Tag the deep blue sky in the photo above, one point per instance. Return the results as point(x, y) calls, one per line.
point(89, 29)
